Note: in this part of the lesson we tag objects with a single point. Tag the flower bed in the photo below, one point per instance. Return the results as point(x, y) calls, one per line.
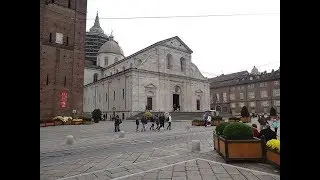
point(273, 152)
point(216, 120)
point(238, 144)
point(77, 121)
point(197, 122)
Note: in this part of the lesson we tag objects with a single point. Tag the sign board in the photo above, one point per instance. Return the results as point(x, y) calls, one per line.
point(63, 99)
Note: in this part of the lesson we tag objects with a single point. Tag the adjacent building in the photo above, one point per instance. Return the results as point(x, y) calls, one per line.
point(258, 91)
point(62, 42)
point(157, 77)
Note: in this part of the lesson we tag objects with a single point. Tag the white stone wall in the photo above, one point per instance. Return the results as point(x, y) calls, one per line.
point(88, 75)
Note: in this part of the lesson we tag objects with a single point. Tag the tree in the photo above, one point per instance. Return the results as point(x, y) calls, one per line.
point(96, 115)
point(244, 112)
point(273, 111)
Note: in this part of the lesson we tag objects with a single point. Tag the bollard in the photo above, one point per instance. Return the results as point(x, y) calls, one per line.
point(195, 145)
point(70, 140)
point(121, 135)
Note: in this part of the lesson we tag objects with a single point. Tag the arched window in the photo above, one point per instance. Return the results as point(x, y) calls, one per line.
point(115, 59)
point(95, 77)
point(169, 61)
point(183, 64)
point(106, 61)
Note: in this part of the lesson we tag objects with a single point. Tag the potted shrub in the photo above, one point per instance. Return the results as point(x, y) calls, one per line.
point(273, 152)
point(216, 120)
point(233, 119)
point(147, 114)
point(218, 132)
point(197, 122)
point(238, 143)
point(96, 115)
point(245, 116)
point(273, 113)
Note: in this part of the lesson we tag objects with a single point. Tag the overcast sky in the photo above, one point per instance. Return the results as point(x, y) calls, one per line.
point(220, 44)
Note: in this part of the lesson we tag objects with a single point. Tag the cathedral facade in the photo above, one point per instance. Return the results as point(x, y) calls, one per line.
point(157, 77)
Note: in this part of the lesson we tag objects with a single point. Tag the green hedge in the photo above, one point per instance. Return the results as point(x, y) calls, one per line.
point(238, 131)
point(220, 128)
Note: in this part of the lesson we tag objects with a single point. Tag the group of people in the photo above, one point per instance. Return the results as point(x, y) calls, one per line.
point(158, 119)
point(265, 129)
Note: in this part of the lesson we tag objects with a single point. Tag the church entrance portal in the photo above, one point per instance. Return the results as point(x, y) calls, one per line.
point(176, 104)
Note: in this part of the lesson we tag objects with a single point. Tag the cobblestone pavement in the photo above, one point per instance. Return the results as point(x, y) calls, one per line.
point(98, 153)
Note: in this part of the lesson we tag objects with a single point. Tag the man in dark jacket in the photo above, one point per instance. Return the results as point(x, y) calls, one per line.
point(267, 133)
point(152, 122)
point(161, 120)
point(143, 122)
point(137, 123)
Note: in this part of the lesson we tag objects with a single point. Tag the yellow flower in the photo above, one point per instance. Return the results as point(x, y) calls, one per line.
point(274, 144)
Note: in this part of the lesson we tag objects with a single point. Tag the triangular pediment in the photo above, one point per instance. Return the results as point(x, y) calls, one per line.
point(177, 43)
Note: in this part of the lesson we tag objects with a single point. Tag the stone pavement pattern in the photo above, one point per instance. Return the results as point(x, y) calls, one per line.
point(108, 157)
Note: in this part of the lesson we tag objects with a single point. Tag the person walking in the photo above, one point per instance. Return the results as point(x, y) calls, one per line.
point(152, 123)
point(137, 123)
point(156, 118)
point(267, 133)
point(115, 123)
point(275, 124)
point(118, 122)
point(169, 121)
point(143, 122)
point(161, 120)
point(262, 121)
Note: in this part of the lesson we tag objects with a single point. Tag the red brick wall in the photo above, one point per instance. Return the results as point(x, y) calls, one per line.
point(61, 61)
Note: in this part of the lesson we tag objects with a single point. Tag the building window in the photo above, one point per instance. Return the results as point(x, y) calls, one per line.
point(115, 60)
point(50, 37)
point(106, 97)
point(114, 95)
point(59, 38)
point(265, 103)
point(67, 41)
point(263, 94)
point(122, 93)
point(47, 79)
point(276, 83)
point(252, 104)
point(218, 97)
point(232, 97)
point(241, 104)
point(65, 81)
point(69, 3)
point(264, 84)
point(95, 77)
point(233, 105)
point(198, 104)
point(241, 95)
point(122, 115)
point(276, 103)
point(251, 95)
point(224, 97)
point(169, 61)
point(117, 71)
point(183, 64)
point(250, 86)
point(106, 61)
point(276, 92)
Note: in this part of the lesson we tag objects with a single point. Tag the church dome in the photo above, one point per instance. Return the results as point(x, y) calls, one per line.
point(111, 47)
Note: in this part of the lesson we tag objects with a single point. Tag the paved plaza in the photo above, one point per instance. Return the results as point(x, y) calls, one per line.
point(99, 153)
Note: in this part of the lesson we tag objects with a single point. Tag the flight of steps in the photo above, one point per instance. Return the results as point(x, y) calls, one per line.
point(174, 115)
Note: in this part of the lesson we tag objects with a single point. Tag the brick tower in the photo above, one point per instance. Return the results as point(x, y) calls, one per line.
point(62, 53)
